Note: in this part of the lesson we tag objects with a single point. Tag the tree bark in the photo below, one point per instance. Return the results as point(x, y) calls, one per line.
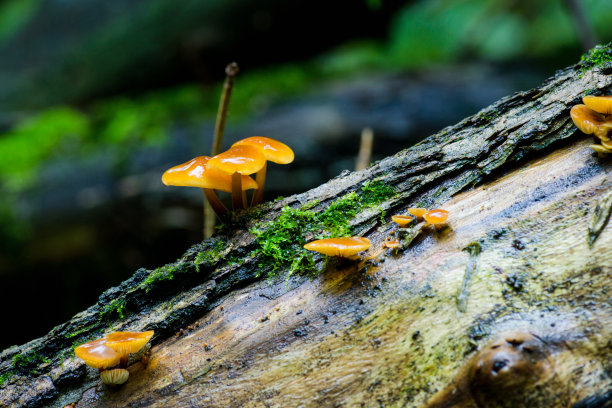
point(507, 306)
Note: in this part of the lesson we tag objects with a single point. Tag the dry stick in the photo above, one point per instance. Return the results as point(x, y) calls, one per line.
point(365, 149)
point(230, 73)
point(585, 29)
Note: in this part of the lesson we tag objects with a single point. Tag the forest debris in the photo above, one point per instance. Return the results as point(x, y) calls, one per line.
point(600, 217)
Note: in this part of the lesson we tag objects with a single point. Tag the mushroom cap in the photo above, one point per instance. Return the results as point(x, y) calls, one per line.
point(601, 104)
point(197, 173)
point(127, 342)
point(417, 211)
point(273, 150)
point(436, 216)
point(392, 244)
point(589, 121)
point(402, 220)
point(342, 247)
point(116, 376)
point(244, 159)
point(97, 354)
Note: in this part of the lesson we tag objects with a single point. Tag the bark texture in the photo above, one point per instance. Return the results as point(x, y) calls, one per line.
point(507, 307)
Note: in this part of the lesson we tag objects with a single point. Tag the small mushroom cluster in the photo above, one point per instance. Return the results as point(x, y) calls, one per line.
point(595, 117)
point(431, 217)
point(229, 171)
point(111, 350)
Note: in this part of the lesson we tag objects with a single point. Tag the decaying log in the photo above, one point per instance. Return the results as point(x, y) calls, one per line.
point(530, 326)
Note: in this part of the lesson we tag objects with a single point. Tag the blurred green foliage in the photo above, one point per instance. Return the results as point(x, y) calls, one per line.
point(14, 14)
point(36, 139)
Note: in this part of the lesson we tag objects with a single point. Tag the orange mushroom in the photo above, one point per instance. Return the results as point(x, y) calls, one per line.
point(238, 161)
point(601, 104)
point(97, 354)
point(391, 244)
point(126, 343)
point(341, 247)
point(273, 151)
point(116, 376)
point(435, 217)
point(591, 122)
point(401, 220)
point(197, 173)
point(110, 350)
point(417, 212)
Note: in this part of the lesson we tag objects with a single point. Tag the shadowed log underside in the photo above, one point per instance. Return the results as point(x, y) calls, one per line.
point(532, 328)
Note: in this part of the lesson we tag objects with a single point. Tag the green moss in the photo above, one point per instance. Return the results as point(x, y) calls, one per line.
point(162, 273)
point(595, 57)
point(86, 328)
point(280, 243)
point(209, 256)
point(489, 116)
point(116, 306)
point(28, 361)
point(5, 377)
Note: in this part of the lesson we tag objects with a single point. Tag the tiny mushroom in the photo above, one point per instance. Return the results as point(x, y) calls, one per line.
point(238, 161)
point(417, 212)
point(341, 247)
point(436, 216)
point(115, 376)
point(391, 244)
point(197, 173)
point(401, 220)
point(273, 151)
point(110, 350)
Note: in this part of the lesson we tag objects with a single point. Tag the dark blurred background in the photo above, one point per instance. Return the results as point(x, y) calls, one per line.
point(99, 97)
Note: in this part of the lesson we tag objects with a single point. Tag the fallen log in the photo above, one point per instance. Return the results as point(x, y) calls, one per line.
point(507, 307)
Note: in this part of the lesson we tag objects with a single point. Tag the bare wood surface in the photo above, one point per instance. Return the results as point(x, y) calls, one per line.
point(386, 333)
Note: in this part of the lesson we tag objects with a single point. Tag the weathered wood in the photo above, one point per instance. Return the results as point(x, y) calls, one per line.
point(517, 179)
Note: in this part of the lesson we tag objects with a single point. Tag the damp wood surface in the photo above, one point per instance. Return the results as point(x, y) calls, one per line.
point(518, 180)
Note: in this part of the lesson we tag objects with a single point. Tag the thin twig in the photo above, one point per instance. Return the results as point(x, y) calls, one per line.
point(230, 74)
point(365, 149)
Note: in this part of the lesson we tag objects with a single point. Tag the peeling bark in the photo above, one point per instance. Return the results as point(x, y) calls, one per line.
point(517, 178)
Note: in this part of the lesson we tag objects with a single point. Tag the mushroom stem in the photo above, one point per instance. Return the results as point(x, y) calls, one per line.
point(238, 198)
point(214, 202)
point(123, 363)
point(260, 179)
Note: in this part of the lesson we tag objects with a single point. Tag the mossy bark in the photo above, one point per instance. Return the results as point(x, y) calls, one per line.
point(402, 329)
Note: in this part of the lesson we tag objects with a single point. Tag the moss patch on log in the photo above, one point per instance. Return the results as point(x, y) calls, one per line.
point(280, 243)
point(595, 57)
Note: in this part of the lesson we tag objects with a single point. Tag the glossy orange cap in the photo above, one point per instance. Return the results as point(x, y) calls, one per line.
point(601, 104)
point(402, 220)
point(197, 173)
point(243, 159)
point(273, 150)
point(127, 342)
point(97, 354)
point(436, 216)
point(417, 212)
point(342, 247)
point(590, 122)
